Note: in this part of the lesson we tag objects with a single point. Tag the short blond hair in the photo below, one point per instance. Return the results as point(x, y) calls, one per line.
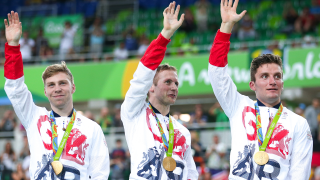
point(56, 68)
point(161, 68)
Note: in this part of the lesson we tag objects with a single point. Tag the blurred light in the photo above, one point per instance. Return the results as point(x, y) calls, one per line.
point(176, 117)
point(185, 117)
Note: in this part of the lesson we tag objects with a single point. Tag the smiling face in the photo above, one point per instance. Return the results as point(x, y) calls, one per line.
point(268, 83)
point(165, 90)
point(59, 89)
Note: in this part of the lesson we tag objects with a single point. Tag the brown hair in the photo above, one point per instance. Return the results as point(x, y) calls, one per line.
point(261, 60)
point(161, 68)
point(56, 68)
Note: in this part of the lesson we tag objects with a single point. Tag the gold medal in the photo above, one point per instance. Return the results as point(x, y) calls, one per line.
point(261, 158)
point(57, 167)
point(169, 164)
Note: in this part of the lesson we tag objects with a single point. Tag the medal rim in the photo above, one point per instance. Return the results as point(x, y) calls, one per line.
point(261, 153)
point(170, 160)
point(55, 165)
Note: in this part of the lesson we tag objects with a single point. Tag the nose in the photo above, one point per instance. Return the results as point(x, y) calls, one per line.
point(272, 81)
point(174, 87)
point(57, 88)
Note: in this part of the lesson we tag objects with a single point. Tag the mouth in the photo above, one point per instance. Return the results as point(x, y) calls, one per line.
point(172, 96)
point(272, 89)
point(58, 96)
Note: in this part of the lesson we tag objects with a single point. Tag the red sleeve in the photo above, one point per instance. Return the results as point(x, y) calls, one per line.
point(13, 67)
point(154, 55)
point(220, 48)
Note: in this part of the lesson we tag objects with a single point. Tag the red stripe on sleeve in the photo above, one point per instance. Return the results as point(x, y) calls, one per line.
point(220, 48)
point(13, 67)
point(154, 55)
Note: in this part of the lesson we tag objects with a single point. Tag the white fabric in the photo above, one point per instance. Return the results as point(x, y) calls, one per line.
point(289, 149)
point(214, 160)
point(142, 134)
point(85, 154)
point(120, 54)
point(26, 48)
point(142, 49)
point(67, 40)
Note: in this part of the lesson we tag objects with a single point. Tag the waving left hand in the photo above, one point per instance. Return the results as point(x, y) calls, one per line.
point(170, 21)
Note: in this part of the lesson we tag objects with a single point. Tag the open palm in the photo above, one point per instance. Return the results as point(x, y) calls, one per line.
point(170, 15)
point(229, 12)
point(13, 28)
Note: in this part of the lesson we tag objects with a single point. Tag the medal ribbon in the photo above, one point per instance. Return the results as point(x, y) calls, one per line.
point(168, 147)
point(57, 151)
point(263, 143)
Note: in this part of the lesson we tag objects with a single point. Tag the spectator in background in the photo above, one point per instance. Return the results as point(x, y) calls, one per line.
point(290, 16)
point(121, 53)
point(311, 115)
point(117, 117)
point(66, 44)
point(308, 42)
point(144, 44)
point(130, 40)
point(45, 54)
point(8, 121)
point(189, 48)
point(202, 7)
point(2, 43)
point(25, 150)
point(118, 165)
point(246, 30)
point(272, 48)
point(41, 42)
point(306, 21)
point(216, 155)
point(97, 36)
point(188, 24)
point(7, 158)
point(26, 47)
point(19, 174)
point(105, 119)
point(317, 173)
point(198, 117)
point(217, 111)
point(89, 115)
point(196, 149)
point(300, 109)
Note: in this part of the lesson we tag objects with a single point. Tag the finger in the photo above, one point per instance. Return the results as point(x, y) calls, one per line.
point(173, 6)
point(235, 4)
point(230, 3)
point(12, 16)
point(17, 17)
point(221, 3)
point(224, 2)
point(165, 12)
point(181, 19)
point(177, 11)
point(6, 23)
point(242, 14)
point(9, 19)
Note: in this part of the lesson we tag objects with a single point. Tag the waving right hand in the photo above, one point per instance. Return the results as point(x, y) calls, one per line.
point(13, 29)
point(229, 14)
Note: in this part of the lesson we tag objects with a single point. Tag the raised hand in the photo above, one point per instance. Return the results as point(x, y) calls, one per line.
point(13, 29)
point(229, 14)
point(170, 21)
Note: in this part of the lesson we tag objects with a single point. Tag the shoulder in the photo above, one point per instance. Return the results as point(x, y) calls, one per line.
point(300, 122)
point(88, 122)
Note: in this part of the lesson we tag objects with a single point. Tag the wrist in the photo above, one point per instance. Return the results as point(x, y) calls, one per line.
point(13, 43)
point(166, 34)
point(226, 27)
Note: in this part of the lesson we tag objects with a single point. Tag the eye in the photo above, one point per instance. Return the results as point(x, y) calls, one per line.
point(177, 84)
point(167, 82)
point(278, 76)
point(264, 76)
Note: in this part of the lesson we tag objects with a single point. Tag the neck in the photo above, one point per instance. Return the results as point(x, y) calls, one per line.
point(163, 109)
point(270, 104)
point(63, 112)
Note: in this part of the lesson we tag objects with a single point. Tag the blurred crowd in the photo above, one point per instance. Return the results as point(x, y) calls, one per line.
point(133, 45)
point(212, 160)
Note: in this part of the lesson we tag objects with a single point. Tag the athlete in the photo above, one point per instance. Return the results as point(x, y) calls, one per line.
point(85, 153)
point(268, 140)
point(160, 147)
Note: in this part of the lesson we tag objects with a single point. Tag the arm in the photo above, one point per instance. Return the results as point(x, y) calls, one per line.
point(222, 84)
point(15, 87)
point(143, 77)
point(300, 163)
point(192, 170)
point(99, 164)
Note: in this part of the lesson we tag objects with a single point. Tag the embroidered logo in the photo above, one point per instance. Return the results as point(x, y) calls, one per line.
point(44, 129)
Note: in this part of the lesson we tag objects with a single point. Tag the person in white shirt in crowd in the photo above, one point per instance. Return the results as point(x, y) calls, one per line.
point(144, 44)
point(67, 37)
point(160, 147)
point(26, 47)
point(83, 153)
point(215, 154)
point(269, 141)
point(311, 113)
point(121, 53)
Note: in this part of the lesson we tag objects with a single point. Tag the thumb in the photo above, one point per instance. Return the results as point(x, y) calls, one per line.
point(181, 19)
point(242, 14)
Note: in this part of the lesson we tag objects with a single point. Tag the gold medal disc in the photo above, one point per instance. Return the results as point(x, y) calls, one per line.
point(57, 167)
point(261, 158)
point(169, 164)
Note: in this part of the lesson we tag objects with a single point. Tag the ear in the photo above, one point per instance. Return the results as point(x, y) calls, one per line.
point(73, 88)
point(252, 86)
point(151, 90)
